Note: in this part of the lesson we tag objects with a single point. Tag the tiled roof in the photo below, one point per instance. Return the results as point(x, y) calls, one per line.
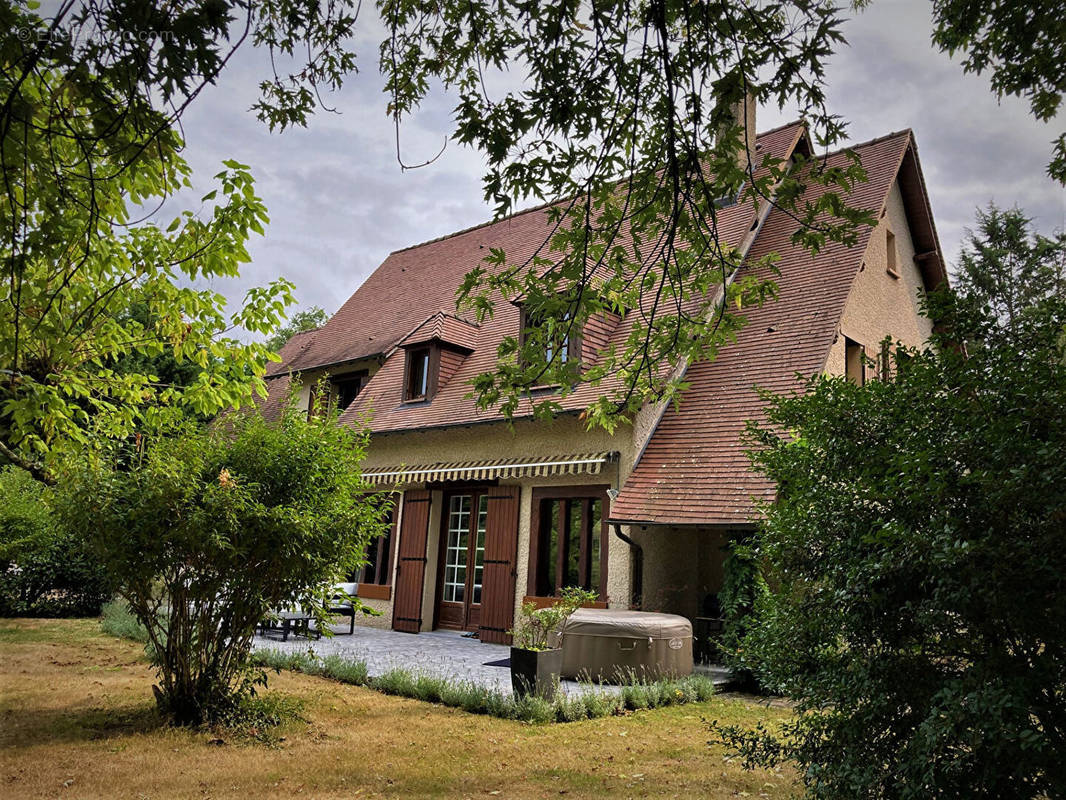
point(445, 328)
point(291, 351)
point(694, 469)
point(414, 284)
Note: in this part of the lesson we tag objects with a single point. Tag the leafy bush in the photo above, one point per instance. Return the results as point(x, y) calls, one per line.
point(743, 587)
point(916, 559)
point(345, 670)
point(45, 570)
point(535, 709)
point(206, 531)
point(536, 625)
point(396, 681)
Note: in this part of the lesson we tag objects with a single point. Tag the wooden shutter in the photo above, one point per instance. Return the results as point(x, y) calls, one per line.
point(411, 565)
point(501, 550)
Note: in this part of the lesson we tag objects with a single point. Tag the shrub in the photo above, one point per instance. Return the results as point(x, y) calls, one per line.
point(345, 670)
point(535, 709)
point(45, 570)
point(915, 558)
point(536, 625)
point(206, 531)
point(395, 681)
point(428, 688)
point(116, 620)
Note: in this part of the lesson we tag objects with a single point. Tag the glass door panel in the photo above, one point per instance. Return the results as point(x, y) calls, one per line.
point(455, 557)
point(479, 547)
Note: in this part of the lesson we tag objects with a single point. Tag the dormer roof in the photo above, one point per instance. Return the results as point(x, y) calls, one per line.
point(446, 329)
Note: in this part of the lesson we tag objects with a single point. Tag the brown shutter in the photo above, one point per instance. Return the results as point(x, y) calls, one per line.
point(501, 550)
point(411, 565)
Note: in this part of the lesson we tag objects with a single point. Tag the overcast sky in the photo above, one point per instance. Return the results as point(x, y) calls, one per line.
point(339, 202)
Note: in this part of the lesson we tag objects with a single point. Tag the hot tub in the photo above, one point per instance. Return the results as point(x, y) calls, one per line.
point(611, 646)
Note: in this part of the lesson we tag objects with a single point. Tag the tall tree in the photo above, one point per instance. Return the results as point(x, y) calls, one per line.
point(299, 322)
point(1009, 269)
point(624, 116)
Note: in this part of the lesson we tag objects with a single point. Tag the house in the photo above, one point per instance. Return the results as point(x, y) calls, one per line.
point(489, 514)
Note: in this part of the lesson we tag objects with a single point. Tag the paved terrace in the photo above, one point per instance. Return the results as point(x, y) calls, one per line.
point(445, 653)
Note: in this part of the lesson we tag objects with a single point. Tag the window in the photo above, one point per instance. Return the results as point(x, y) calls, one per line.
point(465, 548)
point(890, 254)
point(378, 569)
point(561, 340)
point(417, 383)
point(347, 387)
point(569, 547)
point(854, 362)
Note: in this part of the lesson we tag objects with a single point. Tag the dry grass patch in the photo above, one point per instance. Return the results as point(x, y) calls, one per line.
point(77, 720)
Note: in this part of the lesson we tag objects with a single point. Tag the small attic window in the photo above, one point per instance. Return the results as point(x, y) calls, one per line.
point(854, 362)
point(417, 381)
point(891, 255)
point(729, 200)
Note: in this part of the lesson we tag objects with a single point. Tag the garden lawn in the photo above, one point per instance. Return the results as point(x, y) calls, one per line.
point(77, 720)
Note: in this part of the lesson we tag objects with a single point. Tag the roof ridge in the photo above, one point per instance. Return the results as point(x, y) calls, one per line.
point(457, 318)
point(876, 140)
point(472, 228)
point(797, 121)
point(541, 206)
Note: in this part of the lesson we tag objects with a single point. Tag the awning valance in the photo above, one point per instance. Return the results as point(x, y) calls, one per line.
point(581, 464)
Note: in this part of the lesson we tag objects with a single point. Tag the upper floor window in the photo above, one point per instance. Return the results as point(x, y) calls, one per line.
point(417, 385)
point(347, 387)
point(560, 339)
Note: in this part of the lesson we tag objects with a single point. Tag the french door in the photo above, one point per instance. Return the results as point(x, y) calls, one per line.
point(464, 524)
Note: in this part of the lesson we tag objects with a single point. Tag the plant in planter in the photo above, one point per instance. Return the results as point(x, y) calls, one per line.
point(536, 660)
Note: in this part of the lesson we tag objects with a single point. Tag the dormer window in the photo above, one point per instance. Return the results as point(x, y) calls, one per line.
point(560, 339)
point(433, 352)
point(417, 385)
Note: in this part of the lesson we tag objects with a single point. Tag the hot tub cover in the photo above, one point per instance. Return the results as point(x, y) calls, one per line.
point(635, 624)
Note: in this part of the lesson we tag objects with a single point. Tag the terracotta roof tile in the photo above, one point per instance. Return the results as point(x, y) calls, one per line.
point(694, 469)
point(445, 328)
point(298, 343)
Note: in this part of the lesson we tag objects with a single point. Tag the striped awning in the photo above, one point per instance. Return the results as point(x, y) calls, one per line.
point(581, 464)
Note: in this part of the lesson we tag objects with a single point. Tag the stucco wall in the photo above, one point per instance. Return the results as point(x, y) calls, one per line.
point(681, 567)
point(880, 304)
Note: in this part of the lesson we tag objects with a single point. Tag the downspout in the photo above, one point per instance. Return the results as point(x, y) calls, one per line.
point(638, 565)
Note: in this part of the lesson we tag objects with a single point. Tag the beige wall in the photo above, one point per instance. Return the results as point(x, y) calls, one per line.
point(880, 304)
point(681, 566)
